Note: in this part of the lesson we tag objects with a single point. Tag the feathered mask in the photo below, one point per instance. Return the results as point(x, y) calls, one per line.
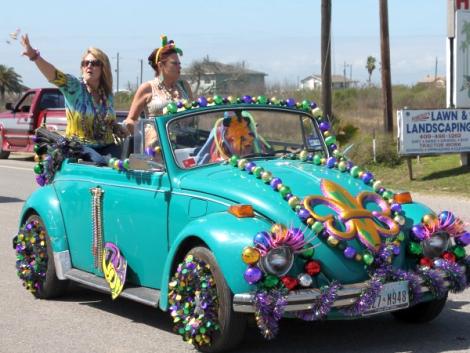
point(167, 44)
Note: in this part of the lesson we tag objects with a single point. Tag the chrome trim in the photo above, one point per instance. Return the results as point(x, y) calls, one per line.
point(63, 263)
point(109, 184)
point(304, 299)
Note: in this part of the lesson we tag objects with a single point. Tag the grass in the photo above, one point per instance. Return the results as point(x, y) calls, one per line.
point(432, 174)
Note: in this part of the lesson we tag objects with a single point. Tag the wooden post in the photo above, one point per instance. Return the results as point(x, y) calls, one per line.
point(385, 55)
point(410, 167)
point(326, 57)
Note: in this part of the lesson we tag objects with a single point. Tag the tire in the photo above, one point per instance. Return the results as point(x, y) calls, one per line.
point(231, 325)
point(49, 285)
point(422, 312)
point(3, 154)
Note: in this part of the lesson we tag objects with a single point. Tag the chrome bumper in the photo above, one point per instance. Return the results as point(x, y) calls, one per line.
point(304, 299)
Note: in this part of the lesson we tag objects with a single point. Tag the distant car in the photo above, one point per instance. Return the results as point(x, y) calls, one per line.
point(223, 209)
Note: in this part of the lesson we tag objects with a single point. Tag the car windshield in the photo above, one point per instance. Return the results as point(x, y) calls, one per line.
point(213, 137)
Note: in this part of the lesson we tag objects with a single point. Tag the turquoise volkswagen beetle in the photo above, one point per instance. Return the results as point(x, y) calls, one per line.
point(227, 208)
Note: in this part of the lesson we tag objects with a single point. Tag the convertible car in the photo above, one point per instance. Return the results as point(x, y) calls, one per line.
point(225, 208)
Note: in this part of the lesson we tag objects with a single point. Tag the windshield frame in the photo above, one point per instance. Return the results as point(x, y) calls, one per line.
point(240, 107)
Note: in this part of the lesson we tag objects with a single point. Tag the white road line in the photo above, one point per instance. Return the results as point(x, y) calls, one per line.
point(18, 168)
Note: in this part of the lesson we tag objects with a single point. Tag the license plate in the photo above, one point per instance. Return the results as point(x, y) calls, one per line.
point(393, 296)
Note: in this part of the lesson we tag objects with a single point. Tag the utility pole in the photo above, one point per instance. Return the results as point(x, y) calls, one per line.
point(117, 73)
point(386, 79)
point(435, 71)
point(326, 57)
point(141, 70)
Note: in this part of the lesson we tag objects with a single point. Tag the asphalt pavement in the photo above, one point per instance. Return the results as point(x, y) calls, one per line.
point(85, 321)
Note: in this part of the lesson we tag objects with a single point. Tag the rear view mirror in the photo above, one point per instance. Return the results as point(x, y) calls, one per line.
point(9, 106)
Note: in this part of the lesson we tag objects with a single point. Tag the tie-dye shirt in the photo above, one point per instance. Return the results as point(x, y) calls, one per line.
point(91, 123)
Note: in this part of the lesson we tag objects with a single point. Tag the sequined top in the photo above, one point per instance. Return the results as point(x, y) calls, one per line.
point(161, 97)
point(91, 122)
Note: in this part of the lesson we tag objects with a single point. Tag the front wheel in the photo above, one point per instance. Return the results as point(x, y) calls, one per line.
point(422, 312)
point(35, 260)
point(3, 154)
point(201, 304)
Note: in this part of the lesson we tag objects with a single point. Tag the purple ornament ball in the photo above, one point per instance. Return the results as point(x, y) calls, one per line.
point(324, 126)
point(313, 105)
point(349, 252)
point(202, 101)
point(330, 162)
point(179, 104)
point(247, 99)
point(464, 239)
point(249, 166)
point(290, 102)
point(275, 182)
point(367, 177)
point(446, 217)
point(418, 231)
point(262, 238)
point(252, 275)
point(396, 207)
point(333, 147)
point(40, 180)
point(303, 214)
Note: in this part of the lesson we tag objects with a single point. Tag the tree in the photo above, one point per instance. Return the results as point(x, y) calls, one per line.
point(370, 66)
point(10, 81)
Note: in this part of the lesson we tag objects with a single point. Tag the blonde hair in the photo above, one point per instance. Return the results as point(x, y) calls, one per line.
point(106, 79)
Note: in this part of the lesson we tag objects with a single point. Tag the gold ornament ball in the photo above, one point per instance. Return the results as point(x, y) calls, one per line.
point(429, 219)
point(279, 229)
point(250, 255)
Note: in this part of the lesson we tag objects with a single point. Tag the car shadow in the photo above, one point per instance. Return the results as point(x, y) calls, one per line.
point(447, 173)
point(6, 199)
point(449, 332)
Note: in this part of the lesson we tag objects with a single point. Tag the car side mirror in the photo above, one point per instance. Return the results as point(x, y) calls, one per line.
point(138, 161)
point(9, 106)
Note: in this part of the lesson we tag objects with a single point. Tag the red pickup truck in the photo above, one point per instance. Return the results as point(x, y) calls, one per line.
point(35, 107)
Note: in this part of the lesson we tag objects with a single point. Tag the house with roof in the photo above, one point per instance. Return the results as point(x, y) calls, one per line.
point(437, 81)
point(212, 77)
point(337, 82)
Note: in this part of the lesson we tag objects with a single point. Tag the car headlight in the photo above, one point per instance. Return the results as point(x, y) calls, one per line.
point(277, 261)
point(435, 245)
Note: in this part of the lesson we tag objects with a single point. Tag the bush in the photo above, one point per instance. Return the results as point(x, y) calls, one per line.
point(361, 152)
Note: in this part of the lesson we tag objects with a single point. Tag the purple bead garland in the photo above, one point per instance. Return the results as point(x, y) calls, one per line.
point(269, 309)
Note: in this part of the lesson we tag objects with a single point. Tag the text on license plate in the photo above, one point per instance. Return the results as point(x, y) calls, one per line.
point(393, 296)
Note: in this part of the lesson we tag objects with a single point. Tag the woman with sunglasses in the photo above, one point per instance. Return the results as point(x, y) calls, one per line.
point(89, 102)
point(152, 96)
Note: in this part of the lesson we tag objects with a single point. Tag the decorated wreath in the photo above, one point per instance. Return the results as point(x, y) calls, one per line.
point(31, 256)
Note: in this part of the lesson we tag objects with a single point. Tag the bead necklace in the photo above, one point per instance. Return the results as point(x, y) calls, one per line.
point(100, 113)
point(171, 93)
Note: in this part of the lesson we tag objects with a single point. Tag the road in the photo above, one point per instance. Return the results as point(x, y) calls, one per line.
point(85, 321)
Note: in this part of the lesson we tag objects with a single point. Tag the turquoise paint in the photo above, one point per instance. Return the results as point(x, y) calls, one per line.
point(44, 202)
point(226, 236)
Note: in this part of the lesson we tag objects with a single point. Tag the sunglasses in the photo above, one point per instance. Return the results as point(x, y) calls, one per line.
point(93, 63)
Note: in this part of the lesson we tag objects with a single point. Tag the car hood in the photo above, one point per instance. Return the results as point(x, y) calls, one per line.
point(240, 187)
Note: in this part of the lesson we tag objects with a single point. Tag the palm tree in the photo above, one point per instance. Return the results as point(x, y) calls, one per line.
point(370, 66)
point(10, 81)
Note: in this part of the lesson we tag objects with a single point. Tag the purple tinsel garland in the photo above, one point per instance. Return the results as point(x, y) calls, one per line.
point(322, 305)
point(269, 308)
point(433, 280)
point(367, 297)
point(455, 275)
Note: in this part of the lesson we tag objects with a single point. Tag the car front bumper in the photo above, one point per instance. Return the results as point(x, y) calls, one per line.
point(305, 299)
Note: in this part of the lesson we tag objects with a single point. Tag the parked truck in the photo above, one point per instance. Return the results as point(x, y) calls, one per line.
point(35, 107)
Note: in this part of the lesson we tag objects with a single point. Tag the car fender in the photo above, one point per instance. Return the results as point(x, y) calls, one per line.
point(45, 203)
point(414, 213)
point(226, 236)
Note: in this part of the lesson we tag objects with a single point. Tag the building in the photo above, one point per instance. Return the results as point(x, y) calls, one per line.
point(437, 81)
point(337, 82)
point(212, 77)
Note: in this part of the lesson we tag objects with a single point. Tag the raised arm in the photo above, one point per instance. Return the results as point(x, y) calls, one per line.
point(138, 105)
point(47, 69)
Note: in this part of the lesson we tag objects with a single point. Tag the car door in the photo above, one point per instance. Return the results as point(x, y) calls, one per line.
point(18, 134)
point(129, 208)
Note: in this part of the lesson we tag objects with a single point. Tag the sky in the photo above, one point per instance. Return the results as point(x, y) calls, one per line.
point(279, 38)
